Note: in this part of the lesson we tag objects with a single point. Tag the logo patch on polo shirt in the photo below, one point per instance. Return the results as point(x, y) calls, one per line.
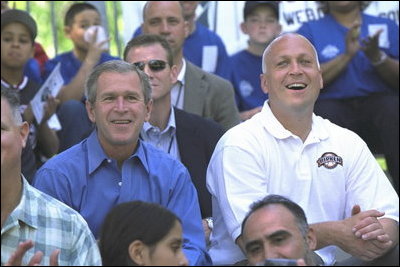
point(329, 160)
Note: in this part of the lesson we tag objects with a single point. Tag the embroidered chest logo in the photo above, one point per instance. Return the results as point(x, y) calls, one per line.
point(329, 160)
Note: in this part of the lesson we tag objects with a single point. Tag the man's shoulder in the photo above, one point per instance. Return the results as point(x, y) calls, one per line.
point(206, 127)
point(192, 71)
point(50, 208)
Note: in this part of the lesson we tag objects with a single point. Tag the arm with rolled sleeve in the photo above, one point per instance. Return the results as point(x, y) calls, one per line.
point(184, 203)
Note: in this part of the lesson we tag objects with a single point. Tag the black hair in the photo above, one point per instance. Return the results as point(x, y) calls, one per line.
point(130, 221)
point(149, 39)
point(294, 208)
point(325, 6)
point(75, 9)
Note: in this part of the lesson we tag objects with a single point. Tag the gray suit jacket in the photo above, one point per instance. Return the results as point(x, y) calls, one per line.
point(210, 96)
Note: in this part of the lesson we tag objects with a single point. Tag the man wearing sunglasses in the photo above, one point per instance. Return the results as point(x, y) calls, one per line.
point(196, 91)
point(186, 137)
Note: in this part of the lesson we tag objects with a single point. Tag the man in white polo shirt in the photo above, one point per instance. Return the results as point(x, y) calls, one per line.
point(287, 150)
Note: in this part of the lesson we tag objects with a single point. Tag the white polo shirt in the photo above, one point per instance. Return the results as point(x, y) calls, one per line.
point(326, 175)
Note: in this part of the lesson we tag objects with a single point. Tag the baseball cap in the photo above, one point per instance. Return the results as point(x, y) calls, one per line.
point(249, 7)
point(15, 15)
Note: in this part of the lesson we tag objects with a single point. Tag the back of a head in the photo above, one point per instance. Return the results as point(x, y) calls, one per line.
point(127, 222)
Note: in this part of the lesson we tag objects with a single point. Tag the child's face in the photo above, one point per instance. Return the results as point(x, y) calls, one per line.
point(262, 25)
point(82, 21)
point(16, 46)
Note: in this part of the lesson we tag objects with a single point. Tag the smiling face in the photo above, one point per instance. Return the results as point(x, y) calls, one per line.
point(119, 110)
point(293, 78)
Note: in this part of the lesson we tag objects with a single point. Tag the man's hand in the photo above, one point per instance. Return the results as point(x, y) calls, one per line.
point(365, 237)
point(23, 247)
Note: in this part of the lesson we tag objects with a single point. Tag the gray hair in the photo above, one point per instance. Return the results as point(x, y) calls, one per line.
point(294, 208)
point(280, 36)
point(117, 66)
point(12, 97)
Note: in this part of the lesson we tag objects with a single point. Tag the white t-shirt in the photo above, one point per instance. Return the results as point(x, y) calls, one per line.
point(326, 175)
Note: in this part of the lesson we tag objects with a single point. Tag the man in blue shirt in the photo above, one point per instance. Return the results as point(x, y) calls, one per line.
point(360, 66)
point(113, 166)
point(261, 24)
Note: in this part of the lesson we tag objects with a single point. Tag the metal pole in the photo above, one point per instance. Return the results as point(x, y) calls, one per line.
point(54, 26)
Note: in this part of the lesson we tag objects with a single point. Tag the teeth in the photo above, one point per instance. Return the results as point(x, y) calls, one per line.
point(296, 86)
point(121, 122)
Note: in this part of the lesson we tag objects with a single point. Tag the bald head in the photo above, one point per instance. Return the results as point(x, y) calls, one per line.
point(290, 37)
point(154, 4)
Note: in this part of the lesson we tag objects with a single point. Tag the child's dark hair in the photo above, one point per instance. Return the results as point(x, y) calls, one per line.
point(130, 221)
point(74, 10)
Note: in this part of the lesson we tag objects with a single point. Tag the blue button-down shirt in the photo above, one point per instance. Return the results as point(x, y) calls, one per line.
point(84, 178)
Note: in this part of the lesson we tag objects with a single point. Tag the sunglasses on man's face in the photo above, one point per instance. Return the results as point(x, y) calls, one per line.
point(154, 65)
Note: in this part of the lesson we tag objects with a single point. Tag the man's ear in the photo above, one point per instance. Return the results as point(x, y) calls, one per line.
point(24, 132)
point(149, 107)
point(90, 112)
point(263, 81)
point(136, 252)
point(311, 239)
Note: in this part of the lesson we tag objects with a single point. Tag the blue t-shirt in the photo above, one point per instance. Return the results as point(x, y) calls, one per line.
point(70, 65)
point(359, 78)
point(246, 70)
point(205, 43)
point(84, 178)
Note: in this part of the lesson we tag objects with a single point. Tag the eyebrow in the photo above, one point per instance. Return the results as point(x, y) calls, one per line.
point(271, 236)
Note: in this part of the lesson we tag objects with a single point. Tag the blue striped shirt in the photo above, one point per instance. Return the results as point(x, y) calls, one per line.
point(51, 225)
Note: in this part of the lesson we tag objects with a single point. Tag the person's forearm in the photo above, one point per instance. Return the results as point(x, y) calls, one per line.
point(75, 89)
point(327, 233)
point(332, 69)
point(389, 72)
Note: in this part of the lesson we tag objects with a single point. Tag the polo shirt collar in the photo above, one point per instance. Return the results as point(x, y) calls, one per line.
point(273, 126)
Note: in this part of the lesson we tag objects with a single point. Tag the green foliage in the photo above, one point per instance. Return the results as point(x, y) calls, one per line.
point(41, 12)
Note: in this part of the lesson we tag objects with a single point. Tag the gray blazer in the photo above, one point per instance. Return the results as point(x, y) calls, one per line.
point(210, 96)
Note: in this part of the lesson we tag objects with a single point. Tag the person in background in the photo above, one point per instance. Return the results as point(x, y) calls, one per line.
point(18, 33)
point(360, 67)
point(141, 233)
point(203, 47)
point(30, 218)
point(261, 24)
point(285, 149)
point(196, 91)
point(113, 165)
point(76, 66)
point(187, 137)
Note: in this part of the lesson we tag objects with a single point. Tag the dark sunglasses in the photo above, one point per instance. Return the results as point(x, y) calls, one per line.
point(154, 65)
